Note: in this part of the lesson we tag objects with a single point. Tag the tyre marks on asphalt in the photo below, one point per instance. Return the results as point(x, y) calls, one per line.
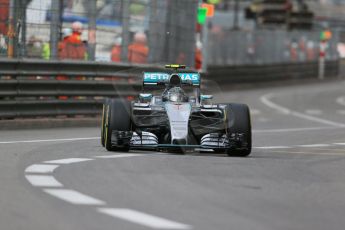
point(40, 175)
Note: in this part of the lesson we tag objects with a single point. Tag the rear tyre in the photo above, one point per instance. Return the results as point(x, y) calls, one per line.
point(238, 122)
point(118, 119)
point(104, 113)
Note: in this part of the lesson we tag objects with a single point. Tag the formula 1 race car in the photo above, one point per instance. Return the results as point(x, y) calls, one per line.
point(178, 118)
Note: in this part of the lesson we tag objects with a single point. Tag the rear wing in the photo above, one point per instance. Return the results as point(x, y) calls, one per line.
point(160, 78)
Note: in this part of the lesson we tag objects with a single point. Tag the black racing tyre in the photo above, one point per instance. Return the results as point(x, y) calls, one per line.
point(104, 112)
point(238, 121)
point(117, 118)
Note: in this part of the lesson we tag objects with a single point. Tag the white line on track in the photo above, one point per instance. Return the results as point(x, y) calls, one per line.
point(319, 120)
point(255, 112)
point(43, 181)
point(300, 146)
point(292, 129)
point(68, 161)
point(41, 168)
point(77, 198)
point(49, 140)
point(262, 119)
point(341, 112)
point(119, 156)
point(265, 99)
point(314, 145)
point(341, 100)
point(143, 218)
point(313, 112)
point(273, 147)
point(74, 197)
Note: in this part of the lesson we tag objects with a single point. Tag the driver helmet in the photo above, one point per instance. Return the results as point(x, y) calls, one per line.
point(175, 94)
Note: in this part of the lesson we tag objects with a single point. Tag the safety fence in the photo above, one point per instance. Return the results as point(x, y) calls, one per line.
point(227, 75)
point(228, 47)
point(38, 29)
point(36, 88)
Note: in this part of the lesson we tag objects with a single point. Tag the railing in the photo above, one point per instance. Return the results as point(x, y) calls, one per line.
point(273, 72)
point(266, 47)
point(31, 88)
point(36, 88)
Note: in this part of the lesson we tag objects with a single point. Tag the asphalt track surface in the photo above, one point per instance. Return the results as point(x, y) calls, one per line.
point(294, 179)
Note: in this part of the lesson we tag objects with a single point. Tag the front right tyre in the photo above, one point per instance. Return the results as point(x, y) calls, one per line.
point(238, 122)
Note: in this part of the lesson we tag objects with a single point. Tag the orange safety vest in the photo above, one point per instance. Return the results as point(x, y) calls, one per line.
point(116, 53)
point(138, 53)
point(74, 38)
point(61, 48)
point(69, 50)
point(4, 11)
point(73, 51)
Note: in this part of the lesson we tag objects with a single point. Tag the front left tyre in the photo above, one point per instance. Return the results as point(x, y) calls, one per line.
point(104, 113)
point(118, 119)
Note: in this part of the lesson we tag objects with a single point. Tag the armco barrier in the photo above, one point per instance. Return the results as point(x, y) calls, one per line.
point(276, 72)
point(38, 67)
point(29, 88)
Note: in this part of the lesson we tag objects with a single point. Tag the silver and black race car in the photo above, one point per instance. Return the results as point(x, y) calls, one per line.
point(177, 118)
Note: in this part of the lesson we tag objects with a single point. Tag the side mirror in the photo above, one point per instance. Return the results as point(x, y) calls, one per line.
point(145, 97)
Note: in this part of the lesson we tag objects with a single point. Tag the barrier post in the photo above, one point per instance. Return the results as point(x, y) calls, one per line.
point(55, 28)
point(92, 6)
point(204, 47)
point(322, 57)
point(125, 30)
point(11, 30)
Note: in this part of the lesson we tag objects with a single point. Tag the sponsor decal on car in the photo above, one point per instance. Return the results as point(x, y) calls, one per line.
point(156, 77)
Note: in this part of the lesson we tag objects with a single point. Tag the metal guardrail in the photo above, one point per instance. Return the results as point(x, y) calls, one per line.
point(274, 72)
point(38, 67)
point(29, 88)
point(72, 88)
